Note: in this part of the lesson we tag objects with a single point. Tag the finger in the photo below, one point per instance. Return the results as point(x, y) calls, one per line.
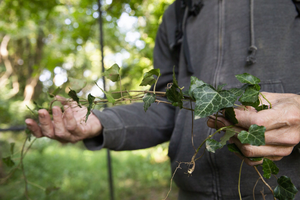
point(271, 118)
point(262, 151)
point(285, 136)
point(71, 123)
point(60, 131)
point(218, 122)
point(34, 128)
point(46, 123)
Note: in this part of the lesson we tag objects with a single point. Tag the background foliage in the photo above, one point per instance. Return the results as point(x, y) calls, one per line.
point(42, 43)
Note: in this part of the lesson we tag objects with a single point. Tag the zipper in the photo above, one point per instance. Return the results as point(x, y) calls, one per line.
point(212, 158)
point(220, 42)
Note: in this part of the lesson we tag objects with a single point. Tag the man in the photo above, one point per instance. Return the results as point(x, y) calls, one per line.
point(219, 40)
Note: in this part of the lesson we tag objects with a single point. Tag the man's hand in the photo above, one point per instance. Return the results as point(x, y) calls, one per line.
point(282, 124)
point(69, 126)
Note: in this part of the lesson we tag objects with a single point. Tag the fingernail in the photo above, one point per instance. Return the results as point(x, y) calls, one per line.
point(42, 115)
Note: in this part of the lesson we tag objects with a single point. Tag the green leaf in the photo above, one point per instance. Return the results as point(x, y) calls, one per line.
point(148, 99)
point(233, 148)
point(195, 83)
point(209, 101)
point(250, 95)
point(51, 189)
point(12, 146)
point(255, 135)
point(269, 168)
point(228, 134)
point(91, 99)
point(77, 84)
point(237, 91)
point(220, 87)
point(148, 78)
point(73, 95)
point(285, 190)
point(212, 145)
point(113, 73)
point(28, 134)
point(8, 161)
point(175, 96)
point(230, 115)
point(247, 78)
point(55, 92)
point(262, 107)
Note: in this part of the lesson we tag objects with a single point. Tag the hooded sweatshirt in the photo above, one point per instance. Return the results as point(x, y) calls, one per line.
point(227, 37)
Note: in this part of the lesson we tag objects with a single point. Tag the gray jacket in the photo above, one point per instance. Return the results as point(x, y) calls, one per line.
point(218, 40)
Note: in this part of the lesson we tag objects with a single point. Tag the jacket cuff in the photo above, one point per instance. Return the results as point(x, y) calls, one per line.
point(112, 131)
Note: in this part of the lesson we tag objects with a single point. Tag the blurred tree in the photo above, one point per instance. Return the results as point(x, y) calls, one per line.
point(44, 42)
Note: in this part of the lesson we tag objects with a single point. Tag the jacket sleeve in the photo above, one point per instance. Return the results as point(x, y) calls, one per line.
point(129, 127)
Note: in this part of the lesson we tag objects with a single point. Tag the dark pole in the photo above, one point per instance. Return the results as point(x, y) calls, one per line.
point(110, 179)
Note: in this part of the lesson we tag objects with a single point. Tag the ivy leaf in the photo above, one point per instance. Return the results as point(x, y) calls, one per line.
point(285, 190)
point(113, 73)
point(73, 95)
point(55, 92)
point(174, 96)
point(228, 134)
point(237, 91)
point(148, 78)
point(247, 78)
point(233, 148)
point(51, 189)
point(250, 95)
point(230, 115)
point(8, 161)
point(269, 168)
point(148, 99)
point(91, 99)
point(209, 101)
point(212, 145)
point(76, 84)
point(108, 96)
point(255, 136)
point(262, 107)
point(195, 83)
point(220, 87)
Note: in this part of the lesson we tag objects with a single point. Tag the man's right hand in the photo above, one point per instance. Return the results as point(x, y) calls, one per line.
point(67, 126)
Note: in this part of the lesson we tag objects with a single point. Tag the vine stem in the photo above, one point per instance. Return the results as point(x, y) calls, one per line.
point(239, 182)
point(23, 170)
point(263, 180)
point(266, 99)
point(191, 170)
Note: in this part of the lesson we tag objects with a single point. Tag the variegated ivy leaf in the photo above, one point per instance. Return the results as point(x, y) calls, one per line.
point(212, 145)
point(230, 115)
point(228, 134)
point(285, 190)
point(113, 73)
point(195, 83)
point(247, 78)
point(148, 99)
point(254, 136)
point(250, 95)
point(209, 101)
point(149, 78)
point(269, 168)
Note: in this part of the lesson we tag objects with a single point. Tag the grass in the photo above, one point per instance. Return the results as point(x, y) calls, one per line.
point(82, 174)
